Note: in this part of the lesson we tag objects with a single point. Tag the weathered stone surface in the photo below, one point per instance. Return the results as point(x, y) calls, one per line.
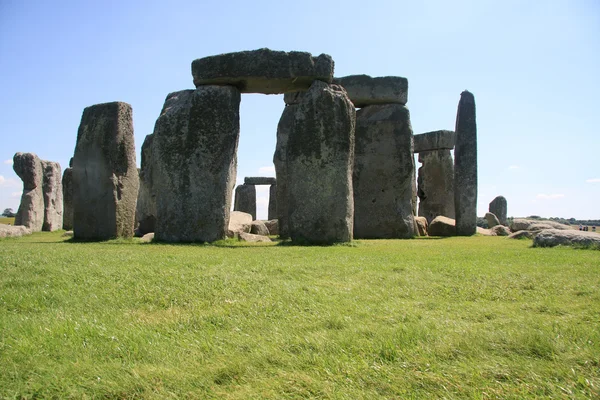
point(105, 176)
point(485, 232)
point(13, 231)
point(280, 161)
point(364, 90)
point(521, 224)
point(252, 238)
point(53, 196)
point(465, 166)
point(259, 180)
point(67, 189)
point(145, 212)
point(499, 208)
point(31, 209)
point(147, 238)
point(239, 222)
point(521, 235)
point(245, 199)
point(273, 226)
point(194, 163)
point(555, 237)
point(501, 230)
point(320, 157)
point(491, 219)
point(292, 98)
point(421, 225)
point(436, 184)
point(436, 140)
point(263, 70)
point(383, 173)
point(272, 210)
point(259, 228)
point(442, 226)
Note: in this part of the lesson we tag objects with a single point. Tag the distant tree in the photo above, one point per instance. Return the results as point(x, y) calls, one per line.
point(8, 212)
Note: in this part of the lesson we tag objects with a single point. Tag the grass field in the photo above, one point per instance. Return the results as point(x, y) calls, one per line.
point(480, 317)
point(7, 220)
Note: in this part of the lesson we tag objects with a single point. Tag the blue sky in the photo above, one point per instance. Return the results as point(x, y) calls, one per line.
point(532, 66)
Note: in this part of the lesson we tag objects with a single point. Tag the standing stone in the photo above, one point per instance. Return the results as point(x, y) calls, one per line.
point(194, 168)
point(31, 210)
point(465, 166)
point(145, 212)
point(435, 184)
point(491, 220)
point(53, 196)
point(383, 173)
point(105, 177)
point(67, 188)
point(272, 214)
point(280, 161)
point(498, 207)
point(320, 156)
point(245, 199)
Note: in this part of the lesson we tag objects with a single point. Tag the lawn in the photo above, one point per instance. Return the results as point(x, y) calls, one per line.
point(479, 317)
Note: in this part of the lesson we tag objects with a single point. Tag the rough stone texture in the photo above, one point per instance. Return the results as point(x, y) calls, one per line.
point(273, 226)
point(194, 163)
point(13, 231)
point(67, 190)
point(259, 228)
point(31, 210)
point(263, 70)
point(147, 238)
point(245, 199)
point(520, 224)
point(465, 166)
point(364, 90)
point(280, 161)
point(320, 157)
point(383, 173)
point(249, 237)
point(521, 235)
point(499, 208)
point(442, 226)
point(272, 211)
point(105, 176)
point(239, 222)
point(501, 230)
point(421, 225)
point(436, 140)
point(53, 196)
point(491, 219)
point(259, 180)
point(485, 232)
point(145, 212)
point(436, 184)
point(555, 237)
point(292, 98)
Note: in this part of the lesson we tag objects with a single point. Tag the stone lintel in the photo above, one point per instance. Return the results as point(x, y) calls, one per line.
point(436, 140)
point(259, 180)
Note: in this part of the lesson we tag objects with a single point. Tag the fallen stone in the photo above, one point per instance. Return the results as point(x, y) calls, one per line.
point(239, 222)
point(259, 180)
point(13, 230)
point(421, 225)
point(67, 188)
point(555, 237)
point(53, 196)
point(31, 209)
point(249, 237)
point(491, 219)
point(436, 140)
point(67, 234)
point(485, 232)
point(436, 184)
point(499, 208)
point(442, 226)
point(245, 199)
point(147, 238)
point(273, 226)
point(501, 230)
point(263, 70)
point(521, 224)
point(145, 212)
point(521, 235)
point(259, 228)
point(364, 90)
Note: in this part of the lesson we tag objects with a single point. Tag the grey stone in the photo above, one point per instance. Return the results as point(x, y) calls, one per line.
point(105, 176)
point(442, 226)
point(13, 231)
point(421, 226)
point(364, 90)
point(436, 140)
point(263, 70)
point(500, 230)
point(239, 222)
point(67, 188)
point(272, 211)
point(499, 208)
point(259, 180)
point(259, 228)
point(146, 202)
point(147, 238)
point(465, 166)
point(245, 199)
point(273, 226)
point(485, 232)
point(521, 224)
point(436, 184)
point(521, 235)
point(292, 98)
point(31, 209)
point(53, 196)
point(555, 237)
point(252, 238)
point(383, 173)
point(194, 163)
point(280, 161)
point(320, 157)
point(491, 219)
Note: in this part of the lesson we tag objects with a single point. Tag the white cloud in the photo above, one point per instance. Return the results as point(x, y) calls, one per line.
point(15, 194)
point(542, 196)
point(513, 167)
point(593, 180)
point(267, 170)
point(8, 162)
point(8, 182)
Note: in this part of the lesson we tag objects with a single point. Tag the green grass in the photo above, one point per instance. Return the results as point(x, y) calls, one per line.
point(7, 220)
point(479, 317)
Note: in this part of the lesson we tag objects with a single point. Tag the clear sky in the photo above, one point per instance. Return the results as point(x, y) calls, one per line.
point(533, 66)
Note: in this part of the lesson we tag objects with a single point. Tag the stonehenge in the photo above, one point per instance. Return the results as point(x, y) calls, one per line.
point(245, 196)
point(498, 207)
point(145, 213)
point(67, 188)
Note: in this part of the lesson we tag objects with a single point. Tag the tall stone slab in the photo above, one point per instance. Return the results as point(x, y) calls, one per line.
point(383, 173)
point(499, 208)
point(145, 212)
point(436, 184)
point(105, 176)
point(53, 196)
point(245, 199)
point(465, 166)
point(280, 161)
point(67, 189)
point(272, 212)
point(194, 152)
point(320, 156)
point(31, 210)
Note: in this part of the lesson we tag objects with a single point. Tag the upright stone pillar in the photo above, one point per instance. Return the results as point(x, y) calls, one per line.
point(194, 151)
point(146, 202)
point(499, 208)
point(67, 188)
point(435, 184)
point(280, 161)
point(465, 166)
point(320, 157)
point(53, 197)
point(272, 202)
point(383, 173)
point(105, 176)
point(245, 199)
point(31, 210)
